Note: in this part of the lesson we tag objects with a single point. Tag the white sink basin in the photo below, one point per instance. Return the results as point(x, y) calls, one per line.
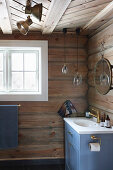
point(87, 126)
point(85, 123)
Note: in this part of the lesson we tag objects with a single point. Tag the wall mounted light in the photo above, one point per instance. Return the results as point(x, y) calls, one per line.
point(36, 10)
point(23, 26)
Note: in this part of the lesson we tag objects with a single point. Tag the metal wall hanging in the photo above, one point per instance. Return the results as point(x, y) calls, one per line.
point(103, 74)
point(77, 80)
point(64, 68)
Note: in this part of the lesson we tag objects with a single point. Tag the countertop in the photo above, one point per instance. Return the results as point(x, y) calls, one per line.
point(90, 129)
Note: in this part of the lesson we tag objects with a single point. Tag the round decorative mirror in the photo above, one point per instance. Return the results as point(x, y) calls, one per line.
point(103, 76)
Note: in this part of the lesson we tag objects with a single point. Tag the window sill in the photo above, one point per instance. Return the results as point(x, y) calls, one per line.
point(23, 97)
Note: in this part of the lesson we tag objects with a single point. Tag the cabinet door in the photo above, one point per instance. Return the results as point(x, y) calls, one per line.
point(72, 136)
point(74, 162)
point(67, 154)
point(71, 156)
point(91, 160)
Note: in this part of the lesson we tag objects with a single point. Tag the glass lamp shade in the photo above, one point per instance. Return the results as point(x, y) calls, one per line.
point(77, 79)
point(104, 79)
point(64, 69)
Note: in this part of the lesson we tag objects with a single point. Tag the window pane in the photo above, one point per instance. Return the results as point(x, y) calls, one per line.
point(1, 61)
point(29, 61)
point(17, 80)
point(17, 61)
point(30, 81)
point(1, 80)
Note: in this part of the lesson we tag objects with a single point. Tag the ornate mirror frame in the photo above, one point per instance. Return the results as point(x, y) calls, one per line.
point(103, 76)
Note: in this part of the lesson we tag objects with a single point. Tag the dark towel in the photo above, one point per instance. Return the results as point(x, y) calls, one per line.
point(67, 109)
point(8, 126)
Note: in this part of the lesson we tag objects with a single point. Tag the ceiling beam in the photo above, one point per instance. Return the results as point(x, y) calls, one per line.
point(5, 22)
point(56, 10)
point(102, 27)
point(101, 15)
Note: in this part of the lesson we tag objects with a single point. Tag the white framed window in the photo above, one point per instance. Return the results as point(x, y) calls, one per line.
point(23, 70)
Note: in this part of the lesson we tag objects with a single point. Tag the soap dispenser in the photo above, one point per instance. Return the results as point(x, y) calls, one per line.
point(107, 122)
point(102, 121)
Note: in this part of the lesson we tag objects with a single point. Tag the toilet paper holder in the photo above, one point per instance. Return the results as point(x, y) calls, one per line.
point(96, 138)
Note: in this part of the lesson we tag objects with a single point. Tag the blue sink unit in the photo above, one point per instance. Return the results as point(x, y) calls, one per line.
point(78, 155)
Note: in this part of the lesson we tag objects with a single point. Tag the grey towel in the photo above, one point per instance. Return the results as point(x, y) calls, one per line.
point(8, 126)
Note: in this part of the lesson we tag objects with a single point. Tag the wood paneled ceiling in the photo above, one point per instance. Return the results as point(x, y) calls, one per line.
point(56, 15)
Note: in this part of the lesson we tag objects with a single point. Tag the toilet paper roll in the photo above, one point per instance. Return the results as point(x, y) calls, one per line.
point(94, 147)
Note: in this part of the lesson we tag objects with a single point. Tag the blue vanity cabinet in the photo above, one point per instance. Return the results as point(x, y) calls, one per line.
point(78, 155)
point(71, 149)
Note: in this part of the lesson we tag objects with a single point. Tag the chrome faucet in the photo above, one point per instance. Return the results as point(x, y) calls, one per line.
point(97, 115)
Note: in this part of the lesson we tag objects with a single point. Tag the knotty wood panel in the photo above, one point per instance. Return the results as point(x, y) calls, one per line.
point(103, 102)
point(41, 129)
point(80, 12)
point(76, 6)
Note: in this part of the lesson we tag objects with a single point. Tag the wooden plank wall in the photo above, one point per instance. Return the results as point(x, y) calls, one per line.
point(102, 102)
point(41, 130)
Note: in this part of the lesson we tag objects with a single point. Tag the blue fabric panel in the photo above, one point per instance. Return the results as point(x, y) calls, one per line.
point(8, 126)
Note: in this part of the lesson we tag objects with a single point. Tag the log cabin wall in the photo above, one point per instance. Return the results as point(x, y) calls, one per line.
point(41, 129)
point(102, 102)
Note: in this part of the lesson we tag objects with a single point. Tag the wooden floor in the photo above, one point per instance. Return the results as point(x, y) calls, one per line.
point(34, 167)
point(33, 164)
